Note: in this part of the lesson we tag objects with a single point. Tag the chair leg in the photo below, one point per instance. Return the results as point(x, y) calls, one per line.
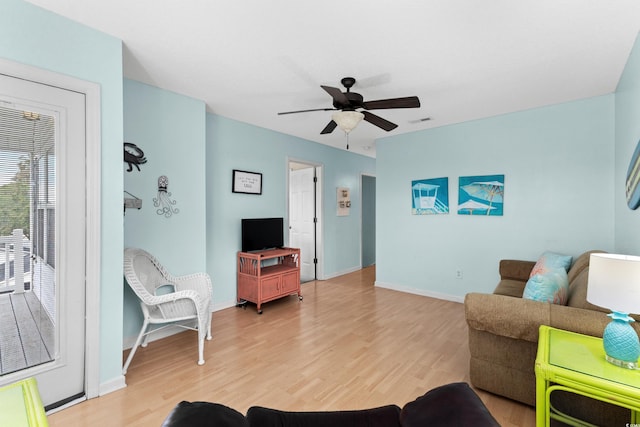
point(135, 347)
point(209, 326)
point(204, 329)
point(201, 336)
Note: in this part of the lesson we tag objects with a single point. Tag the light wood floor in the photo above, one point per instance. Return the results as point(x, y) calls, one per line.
point(348, 345)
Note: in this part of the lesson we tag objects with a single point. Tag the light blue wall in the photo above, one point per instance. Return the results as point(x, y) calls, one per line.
point(627, 137)
point(31, 35)
point(558, 164)
point(170, 129)
point(235, 145)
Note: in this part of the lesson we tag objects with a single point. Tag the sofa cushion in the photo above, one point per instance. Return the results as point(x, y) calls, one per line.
point(551, 286)
point(549, 261)
point(201, 414)
point(448, 405)
point(384, 416)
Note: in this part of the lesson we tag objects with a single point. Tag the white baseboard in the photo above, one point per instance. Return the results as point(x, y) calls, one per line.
point(112, 385)
point(341, 273)
point(222, 305)
point(436, 295)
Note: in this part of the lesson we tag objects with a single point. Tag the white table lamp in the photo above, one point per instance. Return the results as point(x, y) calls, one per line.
point(614, 283)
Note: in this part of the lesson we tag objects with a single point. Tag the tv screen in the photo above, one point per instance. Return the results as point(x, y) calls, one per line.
point(262, 233)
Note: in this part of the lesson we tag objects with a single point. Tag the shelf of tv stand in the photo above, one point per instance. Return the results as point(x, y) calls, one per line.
point(259, 283)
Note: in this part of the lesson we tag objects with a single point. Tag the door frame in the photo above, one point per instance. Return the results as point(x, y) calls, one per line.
point(93, 143)
point(318, 208)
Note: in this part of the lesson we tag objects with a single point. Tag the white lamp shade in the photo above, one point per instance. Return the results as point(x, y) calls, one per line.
point(614, 282)
point(347, 120)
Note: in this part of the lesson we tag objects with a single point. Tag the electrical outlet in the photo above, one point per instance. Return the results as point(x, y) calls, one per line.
point(458, 274)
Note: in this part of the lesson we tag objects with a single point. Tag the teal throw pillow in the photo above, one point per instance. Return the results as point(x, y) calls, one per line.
point(552, 287)
point(549, 261)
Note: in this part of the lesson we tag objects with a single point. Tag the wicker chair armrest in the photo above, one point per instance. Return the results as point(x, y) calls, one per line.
point(173, 296)
point(199, 282)
point(177, 304)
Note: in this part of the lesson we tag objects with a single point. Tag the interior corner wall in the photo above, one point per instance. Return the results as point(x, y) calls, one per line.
point(170, 129)
point(558, 166)
point(36, 37)
point(236, 145)
point(627, 230)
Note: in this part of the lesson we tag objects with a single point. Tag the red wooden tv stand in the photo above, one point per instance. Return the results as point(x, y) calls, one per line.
point(280, 277)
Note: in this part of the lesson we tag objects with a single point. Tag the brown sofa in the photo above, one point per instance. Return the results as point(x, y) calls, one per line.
point(503, 336)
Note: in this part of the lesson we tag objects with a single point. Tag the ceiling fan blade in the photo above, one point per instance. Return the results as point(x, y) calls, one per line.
point(329, 127)
point(379, 121)
point(336, 94)
point(381, 104)
point(306, 111)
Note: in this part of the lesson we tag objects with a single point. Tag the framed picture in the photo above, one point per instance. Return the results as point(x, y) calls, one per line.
point(246, 182)
point(481, 195)
point(430, 196)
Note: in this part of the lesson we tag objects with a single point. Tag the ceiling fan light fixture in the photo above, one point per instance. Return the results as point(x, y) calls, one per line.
point(347, 120)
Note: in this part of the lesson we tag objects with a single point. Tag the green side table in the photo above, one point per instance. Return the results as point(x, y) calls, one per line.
point(20, 405)
point(576, 363)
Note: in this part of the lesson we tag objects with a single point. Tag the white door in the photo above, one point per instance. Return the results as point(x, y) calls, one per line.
point(301, 219)
point(55, 233)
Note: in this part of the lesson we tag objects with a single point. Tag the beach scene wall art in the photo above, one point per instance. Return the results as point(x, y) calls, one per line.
point(430, 196)
point(481, 195)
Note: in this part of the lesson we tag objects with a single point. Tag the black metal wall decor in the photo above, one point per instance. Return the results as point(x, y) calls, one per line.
point(133, 156)
point(132, 202)
point(163, 201)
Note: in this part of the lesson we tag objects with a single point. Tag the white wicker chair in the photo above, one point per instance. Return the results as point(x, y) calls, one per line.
point(190, 300)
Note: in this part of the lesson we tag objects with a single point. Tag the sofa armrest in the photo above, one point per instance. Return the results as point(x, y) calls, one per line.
point(520, 318)
point(507, 316)
point(512, 269)
point(580, 320)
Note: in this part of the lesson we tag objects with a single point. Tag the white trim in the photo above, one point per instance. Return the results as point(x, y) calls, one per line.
point(343, 272)
point(94, 238)
point(112, 385)
point(422, 292)
point(320, 224)
point(93, 174)
point(319, 167)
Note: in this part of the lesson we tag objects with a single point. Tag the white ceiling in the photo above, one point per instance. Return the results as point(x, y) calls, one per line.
point(465, 59)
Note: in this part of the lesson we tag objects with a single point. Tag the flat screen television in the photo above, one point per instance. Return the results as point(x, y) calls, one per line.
point(262, 233)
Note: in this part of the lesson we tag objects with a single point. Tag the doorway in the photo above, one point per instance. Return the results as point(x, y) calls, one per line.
point(368, 252)
point(304, 216)
point(43, 161)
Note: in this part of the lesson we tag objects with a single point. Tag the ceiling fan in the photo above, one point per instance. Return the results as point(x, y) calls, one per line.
point(352, 101)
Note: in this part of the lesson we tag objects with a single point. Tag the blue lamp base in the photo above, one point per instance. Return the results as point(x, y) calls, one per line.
point(620, 341)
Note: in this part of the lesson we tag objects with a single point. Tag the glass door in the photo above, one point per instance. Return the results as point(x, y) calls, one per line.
point(42, 238)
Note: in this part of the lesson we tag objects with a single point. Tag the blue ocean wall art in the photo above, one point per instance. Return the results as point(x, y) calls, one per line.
point(430, 196)
point(481, 195)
